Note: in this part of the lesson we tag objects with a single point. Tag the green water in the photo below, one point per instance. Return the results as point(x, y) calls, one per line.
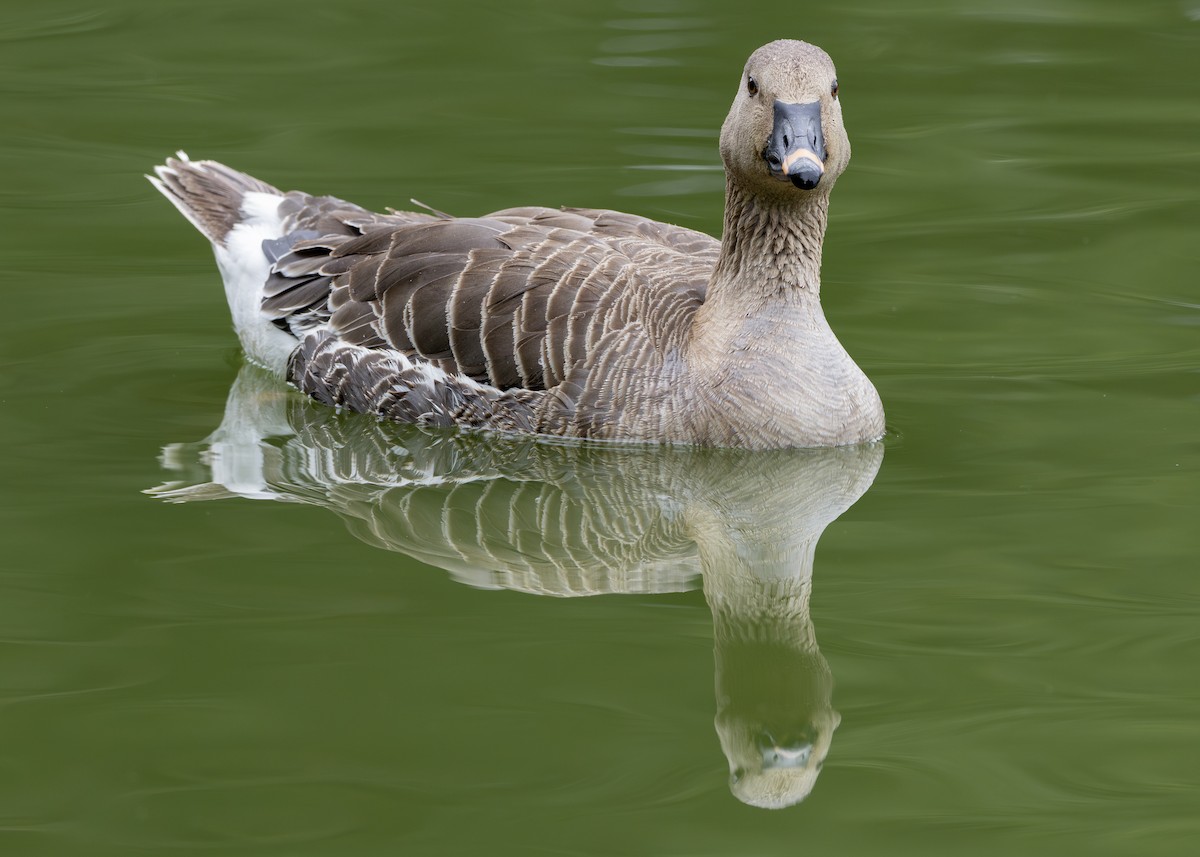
point(993, 651)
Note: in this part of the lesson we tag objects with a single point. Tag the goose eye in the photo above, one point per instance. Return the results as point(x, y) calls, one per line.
point(751, 86)
point(833, 89)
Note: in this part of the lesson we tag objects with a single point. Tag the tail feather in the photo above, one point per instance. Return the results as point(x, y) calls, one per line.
point(207, 193)
point(237, 213)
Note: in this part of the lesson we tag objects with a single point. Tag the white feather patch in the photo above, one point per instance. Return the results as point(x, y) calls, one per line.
point(244, 268)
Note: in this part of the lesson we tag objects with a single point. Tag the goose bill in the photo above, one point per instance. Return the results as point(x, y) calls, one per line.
point(796, 149)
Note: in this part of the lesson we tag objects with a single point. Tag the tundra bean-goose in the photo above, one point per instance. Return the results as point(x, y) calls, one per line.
point(578, 323)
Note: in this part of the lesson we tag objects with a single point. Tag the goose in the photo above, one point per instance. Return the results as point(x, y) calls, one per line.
point(571, 322)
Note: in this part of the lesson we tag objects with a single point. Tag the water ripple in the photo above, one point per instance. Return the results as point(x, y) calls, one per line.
point(80, 23)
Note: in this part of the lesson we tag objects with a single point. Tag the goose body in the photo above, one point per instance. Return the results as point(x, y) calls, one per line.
point(570, 322)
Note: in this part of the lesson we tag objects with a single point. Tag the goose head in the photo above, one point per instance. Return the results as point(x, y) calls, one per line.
point(784, 139)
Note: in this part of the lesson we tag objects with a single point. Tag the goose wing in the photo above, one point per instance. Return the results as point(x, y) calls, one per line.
point(511, 299)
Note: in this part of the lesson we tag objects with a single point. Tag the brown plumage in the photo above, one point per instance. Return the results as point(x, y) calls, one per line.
point(571, 322)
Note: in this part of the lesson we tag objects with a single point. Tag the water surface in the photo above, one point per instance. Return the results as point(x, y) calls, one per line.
point(992, 649)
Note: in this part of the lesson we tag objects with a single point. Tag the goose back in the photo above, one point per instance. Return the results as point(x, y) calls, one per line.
point(513, 299)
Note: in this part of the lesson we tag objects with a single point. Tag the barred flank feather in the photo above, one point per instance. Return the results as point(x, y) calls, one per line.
point(388, 384)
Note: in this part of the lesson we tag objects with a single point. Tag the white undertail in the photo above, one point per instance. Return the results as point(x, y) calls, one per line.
point(244, 268)
point(239, 251)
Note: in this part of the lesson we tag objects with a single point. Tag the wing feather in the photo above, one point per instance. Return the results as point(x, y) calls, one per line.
point(514, 299)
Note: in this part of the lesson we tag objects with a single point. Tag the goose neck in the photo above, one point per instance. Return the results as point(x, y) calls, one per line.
point(771, 248)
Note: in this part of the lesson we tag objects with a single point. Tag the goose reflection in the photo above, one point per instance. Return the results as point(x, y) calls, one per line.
point(569, 520)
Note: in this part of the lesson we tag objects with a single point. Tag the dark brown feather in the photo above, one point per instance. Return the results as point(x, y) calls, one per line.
point(208, 193)
point(512, 299)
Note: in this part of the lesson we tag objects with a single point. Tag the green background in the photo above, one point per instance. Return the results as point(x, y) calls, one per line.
point(1010, 613)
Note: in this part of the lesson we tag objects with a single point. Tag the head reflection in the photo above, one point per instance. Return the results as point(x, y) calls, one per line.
point(775, 714)
point(568, 520)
